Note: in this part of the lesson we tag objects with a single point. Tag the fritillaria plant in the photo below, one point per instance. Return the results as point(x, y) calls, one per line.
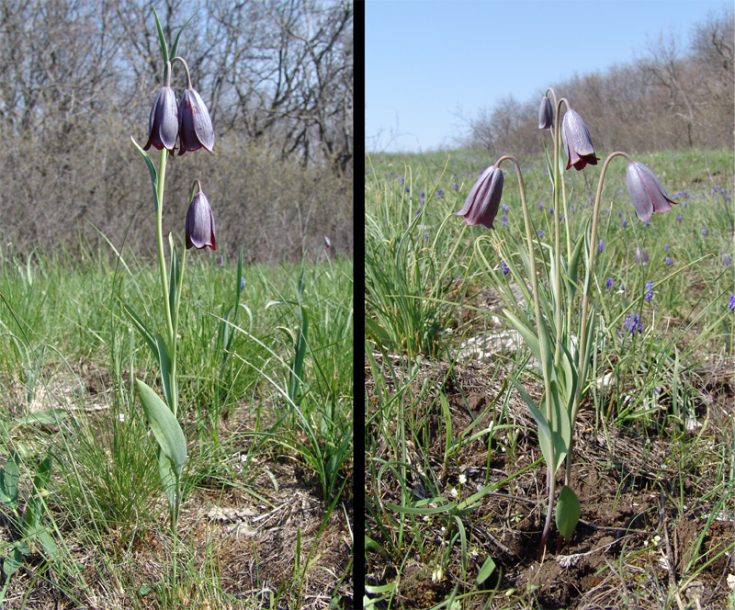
point(189, 124)
point(548, 330)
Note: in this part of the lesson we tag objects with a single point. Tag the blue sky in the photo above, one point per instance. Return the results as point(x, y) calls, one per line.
point(430, 65)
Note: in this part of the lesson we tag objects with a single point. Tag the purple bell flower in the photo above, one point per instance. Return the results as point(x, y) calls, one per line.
point(163, 125)
point(545, 114)
point(577, 141)
point(633, 324)
point(195, 127)
point(483, 200)
point(200, 223)
point(646, 191)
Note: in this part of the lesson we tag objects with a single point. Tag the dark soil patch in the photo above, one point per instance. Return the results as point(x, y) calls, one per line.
point(650, 534)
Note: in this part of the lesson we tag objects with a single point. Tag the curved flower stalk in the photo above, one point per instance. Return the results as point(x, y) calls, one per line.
point(563, 357)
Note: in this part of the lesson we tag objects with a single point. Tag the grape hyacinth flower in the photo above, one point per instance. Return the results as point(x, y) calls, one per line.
point(200, 223)
point(195, 128)
point(540, 205)
point(667, 260)
point(726, 260)
point(609, 283)
point(625, 224)
point(545, 114)
point(164, 121)
point(646, 191)
point(483, 200)
point(577, 141)
point(666, 248)
point(506, 208)
point(705, 232)
point(731, 303)
point(504, 220)
point(633, 324)
point(649, 292)
point(540, 233)
point(601, 246)
point(504, 268)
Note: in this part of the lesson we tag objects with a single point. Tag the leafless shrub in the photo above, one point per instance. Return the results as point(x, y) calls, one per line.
point(672, 98)
point(77, 78)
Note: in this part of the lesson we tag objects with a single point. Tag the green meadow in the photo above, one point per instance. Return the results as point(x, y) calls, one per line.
point(265, 405)
point(455, 497)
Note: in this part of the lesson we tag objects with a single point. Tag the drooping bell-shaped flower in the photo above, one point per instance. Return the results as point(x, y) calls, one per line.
point(200, 223)
point(646, 191)
point(163, 125)
point(577, 141)
point(545, 114)
point(483, 200)
point(195, 129)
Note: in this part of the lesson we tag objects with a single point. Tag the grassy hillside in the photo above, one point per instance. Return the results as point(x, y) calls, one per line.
point(456, 493)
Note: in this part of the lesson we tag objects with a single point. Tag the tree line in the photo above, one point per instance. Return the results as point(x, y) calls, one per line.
point(676, 96)
point(78, 78)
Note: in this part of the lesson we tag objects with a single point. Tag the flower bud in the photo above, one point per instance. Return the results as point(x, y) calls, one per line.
point(483, 200)
point(200, 224)
point(163, 125)
point(545, 114)
point(577, 141)
point(646, 191)
point(195, 128)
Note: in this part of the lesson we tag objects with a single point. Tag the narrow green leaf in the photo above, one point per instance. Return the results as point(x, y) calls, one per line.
point(488, 567)
point(175, 46)
point(545, 439)
point(297, 367)
point(174, 277)
point(567, 512)
point(164, 362)
point(151, 170)
point(164, 425)
point(142, 329)
point(528, 335)
point(161, 37)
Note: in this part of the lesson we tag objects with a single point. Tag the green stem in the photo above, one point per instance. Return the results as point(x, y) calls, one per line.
point(583, 331)
point(557, 246)
point(159, 241)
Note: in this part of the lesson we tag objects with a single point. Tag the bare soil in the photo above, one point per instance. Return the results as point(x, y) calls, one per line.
point(645, 497)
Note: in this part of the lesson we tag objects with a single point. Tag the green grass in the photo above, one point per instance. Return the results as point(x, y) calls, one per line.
point(432, 284)
point(265, 430)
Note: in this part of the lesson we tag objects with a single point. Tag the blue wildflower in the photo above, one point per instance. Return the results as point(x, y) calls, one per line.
point(667, 260)
point(540, 233)
point(504, 219)
point(625, 223)
point(504, 267)
point(705, 232)
point(633, 324)
point(649, 292)
point(666, 248)
point(601, 246)
point(726, 260)
point(731, 303)
point(679, 218)
point(609, 283)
